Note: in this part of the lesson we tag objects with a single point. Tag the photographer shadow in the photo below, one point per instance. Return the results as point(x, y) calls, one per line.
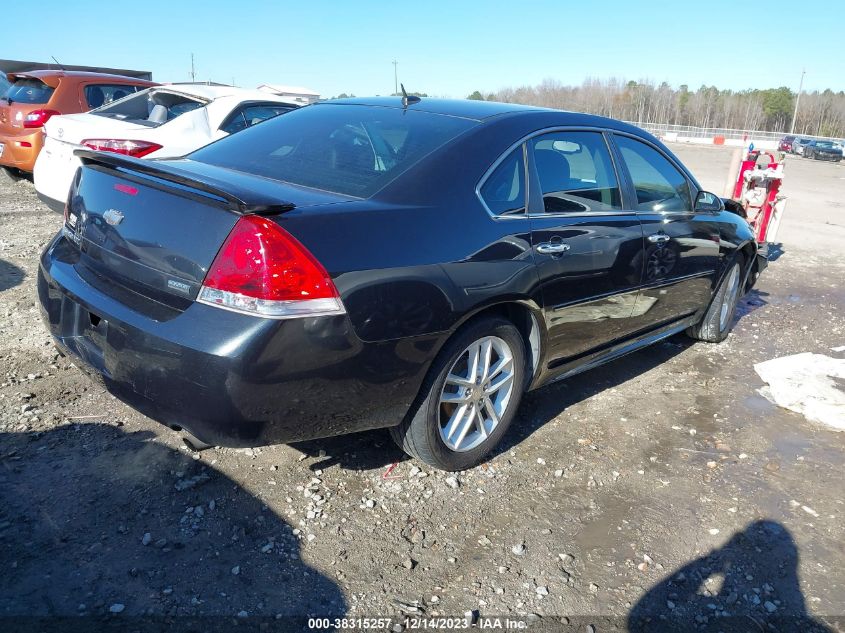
point(99, 525)
point(749, 584)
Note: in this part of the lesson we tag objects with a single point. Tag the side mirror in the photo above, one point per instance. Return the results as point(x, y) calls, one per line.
point(706, 202)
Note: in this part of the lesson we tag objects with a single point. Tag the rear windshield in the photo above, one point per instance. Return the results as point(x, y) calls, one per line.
point(29, 91)
point(348, 149)
point(150, 107)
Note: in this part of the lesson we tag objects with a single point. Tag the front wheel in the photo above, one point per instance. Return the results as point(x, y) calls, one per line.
point(469, 397)
point(715, 325)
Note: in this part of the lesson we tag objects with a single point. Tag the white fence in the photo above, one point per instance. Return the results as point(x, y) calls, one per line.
point(708, 135)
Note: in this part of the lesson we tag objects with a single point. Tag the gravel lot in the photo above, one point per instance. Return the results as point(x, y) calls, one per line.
point(660, 484)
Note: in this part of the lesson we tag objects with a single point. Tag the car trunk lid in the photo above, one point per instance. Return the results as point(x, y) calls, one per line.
point(75, 128)
point(152, 228)
point(25, 95)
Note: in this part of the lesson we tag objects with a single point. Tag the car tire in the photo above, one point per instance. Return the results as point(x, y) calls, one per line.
point(716, 323)
point(436, 431)
point(9, 175)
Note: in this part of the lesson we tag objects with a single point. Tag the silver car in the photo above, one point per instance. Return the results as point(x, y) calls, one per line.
point(798, 145)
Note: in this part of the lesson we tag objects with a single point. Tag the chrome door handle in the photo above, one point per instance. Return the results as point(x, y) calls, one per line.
point(548, 248)
point(658, 238)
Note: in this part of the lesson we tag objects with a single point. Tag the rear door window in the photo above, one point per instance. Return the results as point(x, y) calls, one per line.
point(261, 112)
point(97, 95)
point(348, 149)
point(249, 115)
point(29, 91)
point(659, 185)
point(504, 190)
point(576, 173)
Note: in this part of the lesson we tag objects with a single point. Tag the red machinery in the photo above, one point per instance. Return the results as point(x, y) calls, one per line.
point(757, 189)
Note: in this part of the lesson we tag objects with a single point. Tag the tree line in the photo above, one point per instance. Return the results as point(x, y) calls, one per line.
point(819, 114)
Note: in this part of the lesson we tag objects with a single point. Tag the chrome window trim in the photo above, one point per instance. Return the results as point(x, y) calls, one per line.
point(524, 142)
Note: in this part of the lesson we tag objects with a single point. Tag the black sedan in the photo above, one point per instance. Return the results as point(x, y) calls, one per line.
point(412, 264)
point(822, 150)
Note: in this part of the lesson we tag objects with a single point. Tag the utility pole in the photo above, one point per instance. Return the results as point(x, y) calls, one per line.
point(797, 99)
point(193, 72)
point(395, 77)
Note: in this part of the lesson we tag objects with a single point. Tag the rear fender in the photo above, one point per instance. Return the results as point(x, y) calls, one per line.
point(527, 316)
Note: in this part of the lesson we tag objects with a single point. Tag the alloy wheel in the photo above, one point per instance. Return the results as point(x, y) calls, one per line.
point(476, 393)
point(732, 288)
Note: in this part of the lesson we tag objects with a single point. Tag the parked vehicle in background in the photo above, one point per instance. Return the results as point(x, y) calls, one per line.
point(785, 144)
point(798, 145)
point(331, 271)
point(36, 96)
point(161, 122)
point(822, 150)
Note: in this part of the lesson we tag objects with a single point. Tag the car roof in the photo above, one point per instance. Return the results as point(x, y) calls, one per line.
point(465, 108)
point(79, 74)
point(212, 93)
point(485, 110)
point(215, 93)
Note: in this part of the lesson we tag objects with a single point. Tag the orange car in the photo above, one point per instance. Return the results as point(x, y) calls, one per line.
point(37, 95)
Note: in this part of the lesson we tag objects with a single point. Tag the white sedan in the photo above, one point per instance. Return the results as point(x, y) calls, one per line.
point(160, 122)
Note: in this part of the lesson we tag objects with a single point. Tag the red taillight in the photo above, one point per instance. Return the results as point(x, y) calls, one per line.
point(37, 118)
point(262, 269)
point(136, 149)
point(127, 189)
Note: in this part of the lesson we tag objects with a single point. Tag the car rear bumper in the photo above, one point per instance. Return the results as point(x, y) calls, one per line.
point(20, 149)
point(54, 171)
point(231, 379)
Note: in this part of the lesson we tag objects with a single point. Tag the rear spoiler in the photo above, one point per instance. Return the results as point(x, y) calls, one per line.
point(238, 199)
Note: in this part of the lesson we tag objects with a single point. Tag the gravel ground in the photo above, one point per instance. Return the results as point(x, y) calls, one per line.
point(659, 489)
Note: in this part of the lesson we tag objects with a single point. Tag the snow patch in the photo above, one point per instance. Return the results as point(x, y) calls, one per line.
point(810, 384)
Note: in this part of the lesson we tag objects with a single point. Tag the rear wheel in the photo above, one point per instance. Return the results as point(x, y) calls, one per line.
point(469, 398)
point(715, 325)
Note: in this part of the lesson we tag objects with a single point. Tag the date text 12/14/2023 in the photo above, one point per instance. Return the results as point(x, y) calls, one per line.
point(418, 623)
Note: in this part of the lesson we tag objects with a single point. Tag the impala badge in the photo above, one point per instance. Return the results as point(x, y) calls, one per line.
point(113, 217)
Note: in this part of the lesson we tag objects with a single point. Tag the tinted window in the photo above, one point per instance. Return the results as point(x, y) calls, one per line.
point(101, 94)
point(29, 91)
point(348, 149)
point(659, 185)
point(575, 172)
point(236, 123)
point(504, 190)
point(250, 115)
point(258, 113)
